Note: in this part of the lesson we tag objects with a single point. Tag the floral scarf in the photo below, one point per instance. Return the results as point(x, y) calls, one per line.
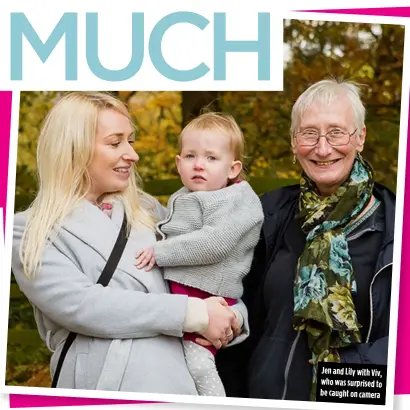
point(325, 281)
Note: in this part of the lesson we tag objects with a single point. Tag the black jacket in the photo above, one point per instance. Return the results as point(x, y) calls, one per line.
point(273, 362)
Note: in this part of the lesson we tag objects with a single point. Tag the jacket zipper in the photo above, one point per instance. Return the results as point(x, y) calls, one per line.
point(371, 284)
point(358, 234)
point(371, 300)
point(289, 362)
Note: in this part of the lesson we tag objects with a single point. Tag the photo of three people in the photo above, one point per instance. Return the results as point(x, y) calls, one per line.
point(212, 243)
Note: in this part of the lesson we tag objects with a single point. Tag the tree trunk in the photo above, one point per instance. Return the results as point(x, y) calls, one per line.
point(193, 102)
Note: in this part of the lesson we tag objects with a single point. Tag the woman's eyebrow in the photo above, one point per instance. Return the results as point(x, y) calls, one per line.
point(119, 134)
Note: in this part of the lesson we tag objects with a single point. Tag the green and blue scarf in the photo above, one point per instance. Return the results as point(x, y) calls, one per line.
point(325, 280)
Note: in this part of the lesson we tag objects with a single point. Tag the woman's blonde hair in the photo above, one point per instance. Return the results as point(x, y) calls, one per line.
point(227, 125)
point(65, 150)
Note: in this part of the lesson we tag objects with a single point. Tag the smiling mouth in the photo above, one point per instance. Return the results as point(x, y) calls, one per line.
point(122, 170)
point(325, 163)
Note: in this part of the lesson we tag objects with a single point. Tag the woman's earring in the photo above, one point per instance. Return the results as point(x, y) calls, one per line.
point(294, 159)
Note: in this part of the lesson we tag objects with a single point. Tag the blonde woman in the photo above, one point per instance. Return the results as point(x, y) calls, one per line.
point(129, 333)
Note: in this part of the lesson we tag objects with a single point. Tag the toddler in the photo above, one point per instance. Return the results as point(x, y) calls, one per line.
point(212, 227)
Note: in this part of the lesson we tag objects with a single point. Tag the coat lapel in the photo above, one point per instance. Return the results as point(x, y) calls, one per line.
point(93, 227)
point(90, 225)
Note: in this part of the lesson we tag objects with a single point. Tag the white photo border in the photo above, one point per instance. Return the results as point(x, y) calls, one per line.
point(240, 402)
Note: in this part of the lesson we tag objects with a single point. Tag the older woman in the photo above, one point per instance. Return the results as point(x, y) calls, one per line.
point(319, 287)
point(129, 332)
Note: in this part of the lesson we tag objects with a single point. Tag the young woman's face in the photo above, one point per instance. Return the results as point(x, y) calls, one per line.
point(114, 156)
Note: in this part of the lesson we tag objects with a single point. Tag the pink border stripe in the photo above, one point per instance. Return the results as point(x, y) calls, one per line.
point(26, 401)
point(402, 382)
point(381, 11)
point(402, 379)
point(5, 118)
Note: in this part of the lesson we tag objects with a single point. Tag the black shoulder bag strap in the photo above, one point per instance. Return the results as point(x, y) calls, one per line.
point(104, 279)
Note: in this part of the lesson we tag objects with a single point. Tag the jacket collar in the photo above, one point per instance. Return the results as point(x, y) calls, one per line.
point(388, 200)
point(93, 227)
point(281, 204)
point(88, 223)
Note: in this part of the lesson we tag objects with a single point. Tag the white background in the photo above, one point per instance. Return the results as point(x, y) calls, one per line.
point(184, 46)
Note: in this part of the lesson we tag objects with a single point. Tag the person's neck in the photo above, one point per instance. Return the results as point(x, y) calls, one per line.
point(325, 191)
point(95, 199)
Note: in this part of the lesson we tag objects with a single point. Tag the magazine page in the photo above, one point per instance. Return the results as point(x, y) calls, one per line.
point(204, 204)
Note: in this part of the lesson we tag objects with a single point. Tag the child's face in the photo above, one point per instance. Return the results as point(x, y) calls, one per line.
point(206, 162)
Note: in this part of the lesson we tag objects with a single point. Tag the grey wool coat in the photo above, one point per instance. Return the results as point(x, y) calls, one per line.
point(129, 332)
point(210, 238)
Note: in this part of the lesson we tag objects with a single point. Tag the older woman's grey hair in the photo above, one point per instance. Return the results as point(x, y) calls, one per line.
point(324, 92)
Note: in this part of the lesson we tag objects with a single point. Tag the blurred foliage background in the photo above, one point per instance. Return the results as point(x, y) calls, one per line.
point(370, 54)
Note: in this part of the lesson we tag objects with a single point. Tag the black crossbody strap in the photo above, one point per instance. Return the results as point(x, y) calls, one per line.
point(115, 256)
point(104, 279)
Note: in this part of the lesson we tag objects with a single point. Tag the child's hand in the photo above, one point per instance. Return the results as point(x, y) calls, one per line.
point(144, 258)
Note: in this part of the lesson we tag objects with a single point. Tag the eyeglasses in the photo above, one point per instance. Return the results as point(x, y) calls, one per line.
point(335, 137)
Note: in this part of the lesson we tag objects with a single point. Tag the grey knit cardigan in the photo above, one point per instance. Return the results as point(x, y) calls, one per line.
point(210, 238)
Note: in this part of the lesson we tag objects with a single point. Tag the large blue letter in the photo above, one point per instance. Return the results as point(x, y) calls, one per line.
point(260, 46)
point(137, 49)
point(155, 42)
point(21, 26)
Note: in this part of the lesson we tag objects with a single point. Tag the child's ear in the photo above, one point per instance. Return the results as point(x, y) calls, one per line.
point(236, 168)
point(177, 161)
